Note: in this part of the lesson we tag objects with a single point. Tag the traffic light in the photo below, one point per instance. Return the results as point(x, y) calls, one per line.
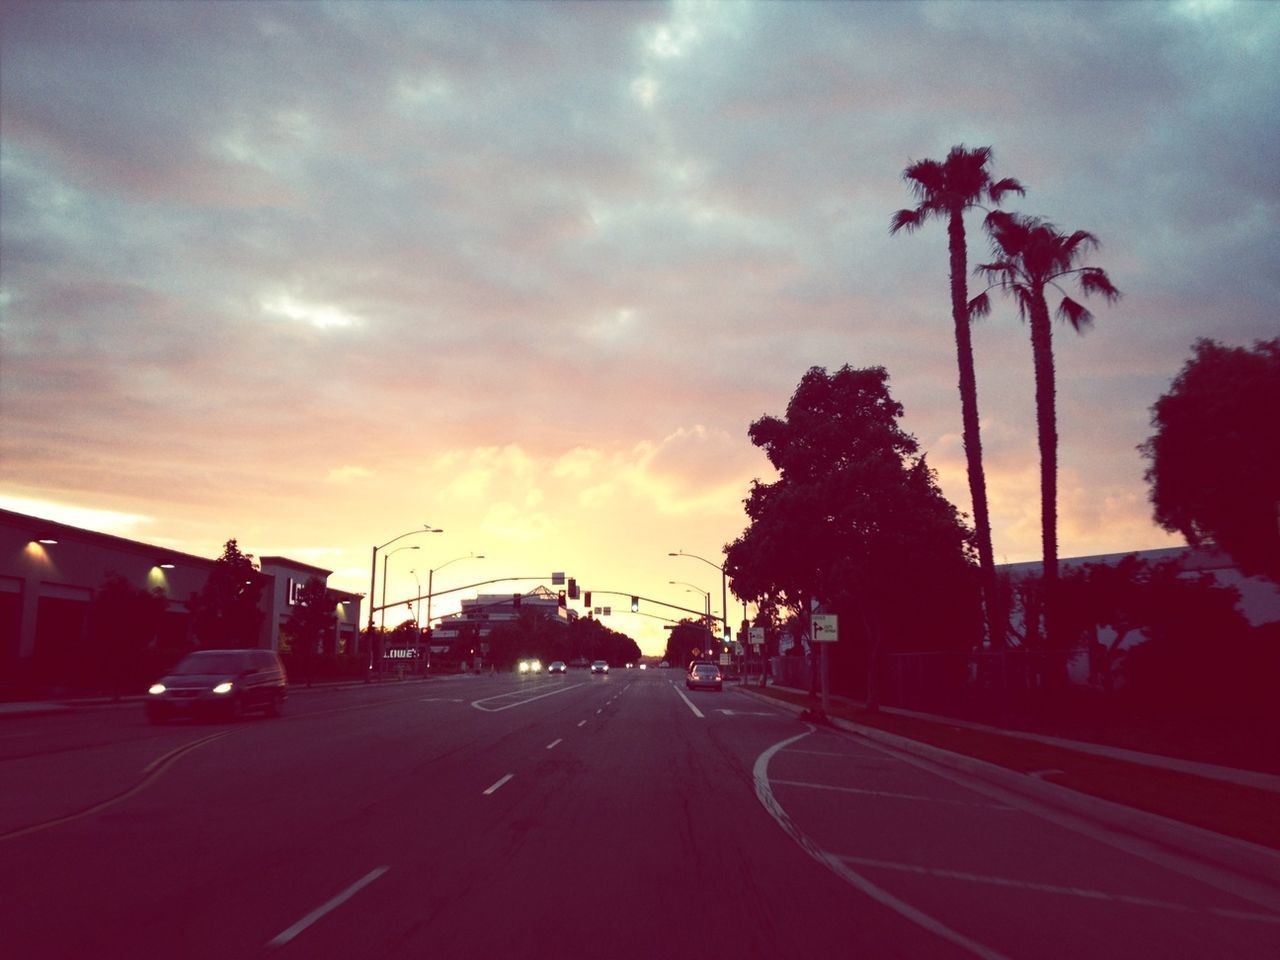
point(586, 599)
point(635, 604)
point(515, 600)
point(573, 589)
point(561, 599)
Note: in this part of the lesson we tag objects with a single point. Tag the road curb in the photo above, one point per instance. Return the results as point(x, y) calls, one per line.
point(1245, 868)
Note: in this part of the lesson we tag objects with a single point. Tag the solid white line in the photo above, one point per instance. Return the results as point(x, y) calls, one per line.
point(764, 793)
point(498, 784)
point(281, 939)
point(552, 744)
point(696, 712)
point(1057, 889)
point(518, 703)
point(891, 796)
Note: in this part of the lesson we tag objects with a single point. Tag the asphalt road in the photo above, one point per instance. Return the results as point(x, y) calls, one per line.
point(578, 816)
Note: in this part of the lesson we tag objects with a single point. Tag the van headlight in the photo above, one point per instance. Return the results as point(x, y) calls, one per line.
point(156, 689)
point(224, 687)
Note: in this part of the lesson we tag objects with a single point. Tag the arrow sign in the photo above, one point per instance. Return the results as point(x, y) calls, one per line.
point(825, 628)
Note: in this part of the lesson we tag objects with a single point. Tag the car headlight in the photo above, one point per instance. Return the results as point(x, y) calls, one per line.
point(224, 687)
point(156, 689)
point(536, 666)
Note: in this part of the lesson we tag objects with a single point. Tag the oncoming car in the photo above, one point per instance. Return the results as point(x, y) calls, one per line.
point(532, 665)
point(226, 682)
point(557, 666)
point(704, 675)
point(599, 666)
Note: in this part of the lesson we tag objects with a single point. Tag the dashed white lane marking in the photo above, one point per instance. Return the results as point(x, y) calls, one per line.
point(888, 795)
point(1044, 774)
point(498, 784)
point(764, 792)
point(442, 700)
point(285, 936)
point(582, 723)
point(1057, 889)
point(552, 745)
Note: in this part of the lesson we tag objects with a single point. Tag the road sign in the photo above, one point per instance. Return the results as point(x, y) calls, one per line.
point(825, 628)
point(696, 651)
point(557, 578)
point(757, 636)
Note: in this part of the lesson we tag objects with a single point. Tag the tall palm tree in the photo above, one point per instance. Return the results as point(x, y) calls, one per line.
point(945, 190)
point(1032, 257)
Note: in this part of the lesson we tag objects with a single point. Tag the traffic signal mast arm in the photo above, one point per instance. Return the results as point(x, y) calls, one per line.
point(700, 614)
point(441, 593)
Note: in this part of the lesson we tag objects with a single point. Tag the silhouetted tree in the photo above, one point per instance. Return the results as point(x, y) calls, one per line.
point(226, 611)
point(857, 520)
point(684, 638)
point(945, 190)
point(312, 621)
point(1215, 456)
point(1032, 257)
point(123, 622)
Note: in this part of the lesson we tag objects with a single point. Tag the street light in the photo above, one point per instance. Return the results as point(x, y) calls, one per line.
point(385, 558)
point(373, 576)
point(706, 595)
point(724, 585)
point(431, 578)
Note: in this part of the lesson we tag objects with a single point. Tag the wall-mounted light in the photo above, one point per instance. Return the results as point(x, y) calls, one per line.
point(166, 564)
point(47, 540)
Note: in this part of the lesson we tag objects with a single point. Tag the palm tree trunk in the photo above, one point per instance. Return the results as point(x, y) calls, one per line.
point(970, 423)
point(1047, 426)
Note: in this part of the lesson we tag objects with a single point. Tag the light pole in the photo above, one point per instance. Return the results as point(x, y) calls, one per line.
point(373, 576)
point(724, 585)
point(706, 596)
point(430, 578)
point(385, 558)
point(417, 610)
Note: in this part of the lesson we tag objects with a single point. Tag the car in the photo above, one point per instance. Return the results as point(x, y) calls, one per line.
point(704, 675)
point(530, 665)
point(219, 682)
point(599, 666)
point(663, 665)
point(557, 666)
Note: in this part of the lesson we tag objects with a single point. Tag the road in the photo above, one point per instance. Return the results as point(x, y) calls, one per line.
point(577, 816)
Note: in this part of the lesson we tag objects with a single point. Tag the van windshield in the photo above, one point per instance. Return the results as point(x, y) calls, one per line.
point(212, 663)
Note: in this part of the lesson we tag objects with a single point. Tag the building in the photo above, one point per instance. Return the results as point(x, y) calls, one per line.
point(50, 573)
point(462, 636)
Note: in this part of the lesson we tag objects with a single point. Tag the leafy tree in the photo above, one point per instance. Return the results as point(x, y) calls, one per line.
point(226, 612)
point(1215, 456)
point(945, 190)
point(123, 623)
point(684, 638)
point(312, 621)
point(1032, 257)
point(855, 519)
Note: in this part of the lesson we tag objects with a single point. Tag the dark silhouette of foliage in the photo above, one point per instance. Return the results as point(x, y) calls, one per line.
point(945, 190)
point(856, 519)
point(310, 626)
point(226, 612)
point(1215, 456)
point(1031, 258)
point(123, 623)
point(686, 637)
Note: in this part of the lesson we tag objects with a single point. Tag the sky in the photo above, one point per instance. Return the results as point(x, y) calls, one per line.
point(313, 275)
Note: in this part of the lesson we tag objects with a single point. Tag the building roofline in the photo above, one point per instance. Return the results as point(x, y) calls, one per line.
point(39, 525)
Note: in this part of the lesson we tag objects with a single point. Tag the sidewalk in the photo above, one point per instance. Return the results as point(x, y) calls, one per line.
point(1240, 804)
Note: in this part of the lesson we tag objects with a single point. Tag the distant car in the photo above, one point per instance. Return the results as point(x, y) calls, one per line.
point(644, 666)
point(704, 675)
point(557, 666)
point(663, 665)
point(226, 682)
point(599, 666)
point(532, 665)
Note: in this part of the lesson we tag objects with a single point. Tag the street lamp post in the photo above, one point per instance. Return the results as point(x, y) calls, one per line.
point(385, 558)
point(373, 578)
point(724, 585)
point(430, 579)
point(706, 596)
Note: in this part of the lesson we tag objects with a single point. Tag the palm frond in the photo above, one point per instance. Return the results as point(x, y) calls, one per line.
point(979, 306)
point(1078, 242)
point(1008, 185)
point(1075, 314)
point(997, 270)
point(926, 178)
point(907, 220)
point(1095, 280)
